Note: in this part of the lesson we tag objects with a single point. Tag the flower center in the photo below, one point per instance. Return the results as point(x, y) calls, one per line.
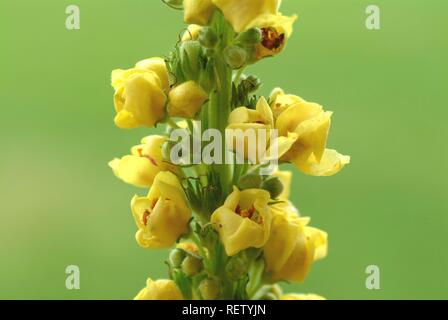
point(148, 212)
point(250, 213)
point(245, 213)
point(272, 40)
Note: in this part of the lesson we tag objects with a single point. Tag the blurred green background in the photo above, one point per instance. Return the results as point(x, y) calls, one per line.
point(61, 205)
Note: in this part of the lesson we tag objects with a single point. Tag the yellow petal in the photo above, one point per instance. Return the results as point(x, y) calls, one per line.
point(261, 115)
point(198, 11)
point(192, 32)
point(236, 232)
point(299, 262)
point(280, 146)
point(167, 184)
point(186, 100)
point(241, 13)
point(126, 120)
point(162, 216)
point(281, 243)
point(313, 133)
point(296, 296)
point(134, 170)
point(280, 101)
point(159, 290)
point(265, 112)
point(157, 65)
point(144, 163)
point(331, 163)
point(282, 23)
point(291, 118)
point(139, 100)
point(320, 239)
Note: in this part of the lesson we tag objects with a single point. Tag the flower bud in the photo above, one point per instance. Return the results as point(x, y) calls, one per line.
point(250, 84)
point(175, 4)
point(186, 100)
point(250, 37)
point(190, 52)
point(250, 181)
point(236, 268)
point(176, 257)
point(235, 57)
point(191, 265)
point(209, 288)
point(192, 32)
point(207, 38)
point(274, 186)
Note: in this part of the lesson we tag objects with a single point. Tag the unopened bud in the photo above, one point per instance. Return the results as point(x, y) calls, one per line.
point(207, 38)
point(251, 83)
point(209, 289)
point(176, 257)
point(235, 57)
point(250, 181)
point(274, 186)
point(190, 52)
point(191, 265)
point(250, 37)
point(192, 32)
point(236, 268)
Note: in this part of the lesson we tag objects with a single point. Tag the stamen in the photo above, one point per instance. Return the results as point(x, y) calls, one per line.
point(154, 202)
point(272, 40)
point(245, 213)
point(146, 215)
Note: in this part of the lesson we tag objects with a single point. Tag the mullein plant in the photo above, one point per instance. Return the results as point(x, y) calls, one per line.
point(232, 231)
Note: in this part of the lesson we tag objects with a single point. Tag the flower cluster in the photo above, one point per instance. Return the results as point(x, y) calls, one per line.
point(232, 230)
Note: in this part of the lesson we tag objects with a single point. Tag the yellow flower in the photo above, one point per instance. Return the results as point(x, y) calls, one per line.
point(304, 127)
point(198, 11)
point(293, 247)
point(186, 100)
point(162, 216)
point(159, 290)
point(241, 13)
point(192, 32)
point(140, 94)
point(276, 30)
point(297, 296)
point(158, 66)
point(247, 125)
point(244, 221)
point(143, 164)
point(280, 101)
